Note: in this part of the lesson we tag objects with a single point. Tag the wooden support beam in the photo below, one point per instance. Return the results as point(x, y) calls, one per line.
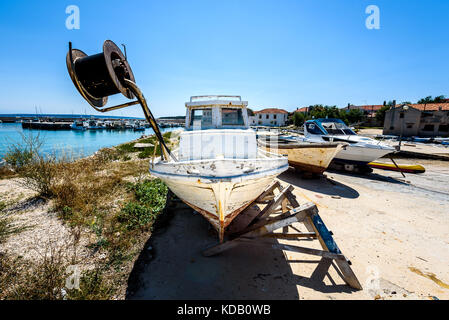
point(274, 203)
point(297, 214)
point(280, 246)
point(315, 224)
point(291, 236)
point(304, 208)
point(262, 226)
point(268, 191)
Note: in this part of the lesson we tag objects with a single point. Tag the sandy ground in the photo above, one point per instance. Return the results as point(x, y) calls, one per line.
point(43, 232)
point(394, 231)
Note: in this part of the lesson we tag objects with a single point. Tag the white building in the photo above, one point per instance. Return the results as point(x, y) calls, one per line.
point(269, 117)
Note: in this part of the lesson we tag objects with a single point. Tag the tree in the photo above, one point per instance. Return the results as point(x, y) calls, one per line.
point(299, 118)
point(429, 99)
point(439, 99)
point(250, 112)
point(380, 114)
point(354, 115)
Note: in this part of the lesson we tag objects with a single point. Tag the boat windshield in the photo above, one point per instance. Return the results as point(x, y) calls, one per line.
point(201, 118)
point(313, 128)
point(337, 127)
point(232, 117)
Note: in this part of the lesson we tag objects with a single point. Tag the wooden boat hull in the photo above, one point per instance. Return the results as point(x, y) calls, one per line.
point(308, 157)
point(219, 189)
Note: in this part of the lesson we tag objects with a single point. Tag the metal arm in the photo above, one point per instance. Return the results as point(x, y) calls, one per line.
point(150, 118)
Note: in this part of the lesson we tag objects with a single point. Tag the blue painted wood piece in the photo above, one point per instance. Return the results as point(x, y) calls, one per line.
point(325, 234)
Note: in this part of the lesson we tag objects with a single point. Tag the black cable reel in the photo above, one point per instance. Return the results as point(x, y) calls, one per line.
point(104, 74)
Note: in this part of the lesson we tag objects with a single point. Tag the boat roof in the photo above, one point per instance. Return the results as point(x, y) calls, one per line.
point(327, 120)
point(221, 100)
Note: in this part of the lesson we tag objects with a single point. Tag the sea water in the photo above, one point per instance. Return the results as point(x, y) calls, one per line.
point(69, 142)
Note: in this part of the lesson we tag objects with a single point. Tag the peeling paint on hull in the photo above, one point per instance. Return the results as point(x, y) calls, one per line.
point(222, 197)
point(311, 157)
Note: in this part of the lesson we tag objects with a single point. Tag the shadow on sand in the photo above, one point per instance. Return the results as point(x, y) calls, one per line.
point(320, 184)
point(172, 267)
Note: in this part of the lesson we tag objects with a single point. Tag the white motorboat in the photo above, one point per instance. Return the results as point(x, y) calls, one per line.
point(219, 168)
point(360, 150)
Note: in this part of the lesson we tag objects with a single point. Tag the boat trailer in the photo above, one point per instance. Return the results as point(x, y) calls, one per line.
point(281, 210)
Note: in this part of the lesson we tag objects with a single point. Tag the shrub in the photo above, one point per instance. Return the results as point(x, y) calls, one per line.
point(21, 153)
point(92, 287)
point(151, 196)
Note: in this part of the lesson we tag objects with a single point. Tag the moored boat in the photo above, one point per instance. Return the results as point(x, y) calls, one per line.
point(219, 169)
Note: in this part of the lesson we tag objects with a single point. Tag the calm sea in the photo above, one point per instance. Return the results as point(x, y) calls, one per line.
point(71, 142)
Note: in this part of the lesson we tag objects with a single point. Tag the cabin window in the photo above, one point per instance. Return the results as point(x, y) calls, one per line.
point(428, 127)
point(201, 118)
point(313, 128)
point(232, 117)
point(443, 128)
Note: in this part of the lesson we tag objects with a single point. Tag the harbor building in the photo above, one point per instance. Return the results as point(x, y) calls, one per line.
point(422, 120)
point(269, 117)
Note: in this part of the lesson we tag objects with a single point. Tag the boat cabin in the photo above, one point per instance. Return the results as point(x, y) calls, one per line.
point(217, 127)
point(216, 112)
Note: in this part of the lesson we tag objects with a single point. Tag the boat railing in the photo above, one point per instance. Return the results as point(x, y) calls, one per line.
point(216, 97)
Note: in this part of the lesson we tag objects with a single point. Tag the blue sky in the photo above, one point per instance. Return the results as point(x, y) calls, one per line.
point(282, 53)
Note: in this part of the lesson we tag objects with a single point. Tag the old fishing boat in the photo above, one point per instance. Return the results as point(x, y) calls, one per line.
point(304, 156)
point(219, 169)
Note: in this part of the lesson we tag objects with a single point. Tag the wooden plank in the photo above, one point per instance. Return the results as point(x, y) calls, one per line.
point(306, 209)
point(324, 233)
point(273, 204)
point(243, 220)
point(326, 239)
point(280, 246)
point(348, 275)
point(328, 243)
point(268, 191)
point(293, 236)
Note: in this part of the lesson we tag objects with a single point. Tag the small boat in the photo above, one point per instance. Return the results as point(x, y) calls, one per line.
point(219, 168)
point(77, 125)
point(419, 139)
point(360, 150)
point(139, 128)
point(93, 125)
point(408, 168)
point(305, 156)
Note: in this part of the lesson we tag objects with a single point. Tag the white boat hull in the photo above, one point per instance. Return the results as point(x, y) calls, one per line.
point(224, 188)
point(361, 154)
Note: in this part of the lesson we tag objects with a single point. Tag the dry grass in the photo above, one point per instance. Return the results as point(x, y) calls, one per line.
point(112, 198)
